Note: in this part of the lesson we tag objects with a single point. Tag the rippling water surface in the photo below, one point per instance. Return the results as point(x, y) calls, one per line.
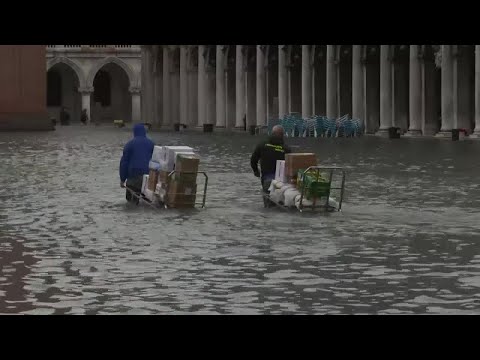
point(407, 241)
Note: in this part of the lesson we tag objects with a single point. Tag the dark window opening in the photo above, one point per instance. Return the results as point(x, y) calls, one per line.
point(102, 90)
point(54, 88)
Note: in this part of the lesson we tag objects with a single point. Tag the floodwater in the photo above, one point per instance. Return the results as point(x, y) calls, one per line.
point(407, 241)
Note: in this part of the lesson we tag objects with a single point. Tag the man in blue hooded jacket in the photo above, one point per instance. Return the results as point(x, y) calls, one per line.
point(137, 153)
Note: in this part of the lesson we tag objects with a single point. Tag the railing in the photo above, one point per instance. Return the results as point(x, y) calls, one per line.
point(92, 47)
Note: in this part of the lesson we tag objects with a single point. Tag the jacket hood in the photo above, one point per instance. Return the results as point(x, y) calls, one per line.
point(139, 130)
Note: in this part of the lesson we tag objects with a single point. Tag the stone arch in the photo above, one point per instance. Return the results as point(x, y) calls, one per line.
point(132, 77)
point(73, 65)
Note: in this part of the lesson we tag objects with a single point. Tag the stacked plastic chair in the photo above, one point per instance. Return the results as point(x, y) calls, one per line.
point(300, 126)
point(342, 124)
point(310, 125)
point(288, 122)
point(320, 125)
point(358, 127)
point(330, 127)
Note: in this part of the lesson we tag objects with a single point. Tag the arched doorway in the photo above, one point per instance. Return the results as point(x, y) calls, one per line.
point(372, 88)
point(319, 80)
point(464, 87)
point(345, 80)
point(111, 98)
point(192, 85)
point(62, 91)
point(401, 80)
point(295, 79)
point(251, 85)
point(272, 81)
point(230, 86)
point(432, 85)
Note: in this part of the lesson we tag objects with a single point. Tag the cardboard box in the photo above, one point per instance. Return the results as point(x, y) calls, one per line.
point(149, 195)
point(163, 177)
point(186, 168)
point(167, 150)
point(157, 154)
point(152, 165)
point(298, 161)
point(152, 180)
point(280, 171)
point(144, 183)
point(169, 164)
point(161, 191)
point(181, 195)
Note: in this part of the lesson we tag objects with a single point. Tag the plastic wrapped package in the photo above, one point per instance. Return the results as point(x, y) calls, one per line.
point(276, 196)
point(144, 183)
point(149, 195)
point(290, 195)
point(279, 185)
point(305, 202)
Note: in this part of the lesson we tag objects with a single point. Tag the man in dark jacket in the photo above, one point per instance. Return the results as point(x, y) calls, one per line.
point(268, 152)
point(137, 153)
point(64, 117)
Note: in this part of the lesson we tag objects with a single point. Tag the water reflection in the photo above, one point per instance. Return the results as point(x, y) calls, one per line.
point(407, 241)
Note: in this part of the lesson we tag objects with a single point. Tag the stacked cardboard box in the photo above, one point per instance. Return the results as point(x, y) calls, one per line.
point(298, 161)
point(162, 163)
point(182, 189)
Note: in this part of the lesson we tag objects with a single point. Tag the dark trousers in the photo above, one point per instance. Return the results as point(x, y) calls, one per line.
point(134, 184)
point(266, 182)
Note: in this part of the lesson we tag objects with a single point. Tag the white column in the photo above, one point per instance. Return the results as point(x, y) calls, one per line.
point(240, 108)
point(136, 106)
point(385, 89)
point(415, 92)
point(261, 105)
point(358, 110)
point(166, 87)
point(86, 101)
point(192, 76)
point(220, 87)
point(158, 91)
point(202, 89)
point(477, 92)
point(331, 83)
point(282, 82)
point(183, 85)
point(148, 87)
point(143, 77)
point(447, 91)
point(306, 82)
point(251, 98)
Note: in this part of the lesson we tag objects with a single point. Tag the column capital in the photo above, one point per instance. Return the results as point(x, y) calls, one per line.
point(134, 90)
point(455, 51)
point(85, 90)
point(262, 47)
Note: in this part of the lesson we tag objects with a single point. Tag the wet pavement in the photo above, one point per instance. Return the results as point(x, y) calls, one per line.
point(407, 242)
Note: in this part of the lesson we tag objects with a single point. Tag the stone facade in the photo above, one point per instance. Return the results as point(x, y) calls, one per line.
point(422, 89)
point(22, 88)
point(103, 79)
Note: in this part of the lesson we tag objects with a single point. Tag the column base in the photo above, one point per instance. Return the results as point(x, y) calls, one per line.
point(444, 134)
point(475, 135)
point(239, 129)
point(382, 133)
point(414, 133)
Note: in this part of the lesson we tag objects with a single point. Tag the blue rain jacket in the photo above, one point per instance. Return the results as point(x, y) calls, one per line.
point(137, 153)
